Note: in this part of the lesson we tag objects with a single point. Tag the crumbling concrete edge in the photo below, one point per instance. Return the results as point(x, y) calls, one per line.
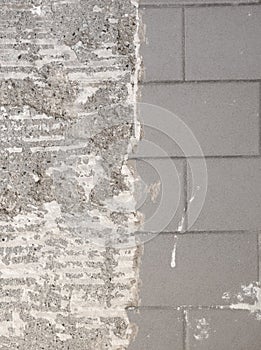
point(139, 37)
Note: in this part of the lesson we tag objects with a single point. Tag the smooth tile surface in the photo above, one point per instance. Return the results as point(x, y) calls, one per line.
point(209, 266)
point(162, 51)
point(157, 329)
point(220, 115)
point(222, 43)
point(206, 266)
point(233, 200)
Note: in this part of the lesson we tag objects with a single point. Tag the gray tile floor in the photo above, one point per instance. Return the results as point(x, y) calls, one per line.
point(200, 280)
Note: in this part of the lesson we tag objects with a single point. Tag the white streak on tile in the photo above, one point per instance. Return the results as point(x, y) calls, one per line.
point(174, 253)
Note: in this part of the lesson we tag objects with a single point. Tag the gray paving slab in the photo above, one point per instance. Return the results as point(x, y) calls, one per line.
point(233, 200)
point(157, 329)
point(196, 269)
point(223, 330)
point(223, 43)
point(162, 51)
point(222, 116)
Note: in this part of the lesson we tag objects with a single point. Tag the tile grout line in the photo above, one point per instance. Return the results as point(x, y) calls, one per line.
point(258, 239)
point(259, 119)
point(258, 257)
point(203, 81)
point(202, 232)
point(186, 197)
point(254, 156)
point(202, 5)
point(183, 45)
point(185, 329)
point(187, 308)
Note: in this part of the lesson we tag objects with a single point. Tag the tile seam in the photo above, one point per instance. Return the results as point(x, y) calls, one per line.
point(195, 5)
point(183, 29)
point(203, 81)
point(247, 157)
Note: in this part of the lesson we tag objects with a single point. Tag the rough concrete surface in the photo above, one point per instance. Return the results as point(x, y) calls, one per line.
point(68, 85)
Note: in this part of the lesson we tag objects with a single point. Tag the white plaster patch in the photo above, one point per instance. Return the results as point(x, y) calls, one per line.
point(173, 262)
point(202, 329)
point(249, 298)
point(181, 225)
point(36, 10)
point(97, 9)
point(154, 191)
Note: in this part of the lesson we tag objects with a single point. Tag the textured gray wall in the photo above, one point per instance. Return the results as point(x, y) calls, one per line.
point(68, 82)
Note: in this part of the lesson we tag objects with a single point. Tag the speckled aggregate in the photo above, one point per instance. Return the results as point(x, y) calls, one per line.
point(67, 110)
